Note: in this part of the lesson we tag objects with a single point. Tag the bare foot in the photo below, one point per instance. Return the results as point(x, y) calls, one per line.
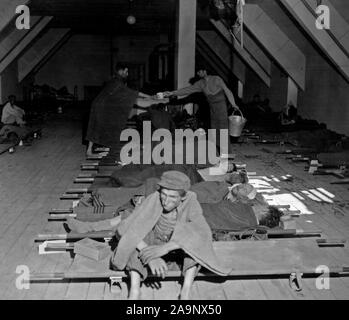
point(184, 295)
point(78, 226)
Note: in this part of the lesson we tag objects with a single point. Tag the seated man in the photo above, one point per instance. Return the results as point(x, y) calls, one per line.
point(167, 227)
point(288, 116)
point(12, 118)
point(12, 114)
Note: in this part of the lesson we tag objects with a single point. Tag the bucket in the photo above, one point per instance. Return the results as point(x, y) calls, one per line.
point(236, 124)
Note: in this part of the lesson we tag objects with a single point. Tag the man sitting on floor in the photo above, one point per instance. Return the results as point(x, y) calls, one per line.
point(12, 114)
point(12, 119)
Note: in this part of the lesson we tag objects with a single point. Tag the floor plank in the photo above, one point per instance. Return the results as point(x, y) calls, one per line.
point(211, 290)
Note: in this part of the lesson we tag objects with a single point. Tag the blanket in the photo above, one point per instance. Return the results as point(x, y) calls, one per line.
point(134, 175)
point(337, 158)
point(109, 113)
point(210, 191)
point(229, 216)
point(17, 131)
point(191, 233)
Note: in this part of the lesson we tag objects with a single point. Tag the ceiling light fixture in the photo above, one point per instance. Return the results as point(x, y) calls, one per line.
point(131, 19)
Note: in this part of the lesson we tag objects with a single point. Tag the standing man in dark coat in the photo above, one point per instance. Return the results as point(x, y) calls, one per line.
point(111, 109)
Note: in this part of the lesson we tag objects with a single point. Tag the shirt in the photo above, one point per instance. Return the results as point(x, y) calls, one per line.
point(165, 226)
point(209, 86)
point(12, 114)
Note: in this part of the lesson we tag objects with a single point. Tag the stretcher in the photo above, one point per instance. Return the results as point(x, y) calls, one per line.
point(301, 151)
point(291, 259)
point(270, 233)
point(343, 181)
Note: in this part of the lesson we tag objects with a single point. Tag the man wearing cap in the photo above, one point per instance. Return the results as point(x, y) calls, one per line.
point(168, 227)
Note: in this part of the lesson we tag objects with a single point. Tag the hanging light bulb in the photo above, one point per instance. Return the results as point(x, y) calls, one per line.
point(131, 19)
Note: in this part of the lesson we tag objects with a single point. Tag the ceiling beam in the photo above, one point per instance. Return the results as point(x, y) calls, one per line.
point(8, 11)
point(223, 52)
point(245, 56)
point(333, 42)
point(290, 58)
point(20, 47)
point(41, 48)
point(13, 36)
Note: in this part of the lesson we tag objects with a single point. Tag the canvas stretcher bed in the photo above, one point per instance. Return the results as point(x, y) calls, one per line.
point(261, 259)
point(270, 233)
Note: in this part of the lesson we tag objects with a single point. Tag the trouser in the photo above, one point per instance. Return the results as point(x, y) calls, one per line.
point(176, 260)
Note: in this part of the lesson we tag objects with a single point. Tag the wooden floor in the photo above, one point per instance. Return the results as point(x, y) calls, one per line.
point(33, 178)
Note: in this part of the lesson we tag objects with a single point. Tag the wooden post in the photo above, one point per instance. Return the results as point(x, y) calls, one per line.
point(292, 92)
point(186, 35)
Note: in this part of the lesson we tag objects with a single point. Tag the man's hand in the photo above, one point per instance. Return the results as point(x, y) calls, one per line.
point(152, 252)
point(158, 267)
point(167, 94)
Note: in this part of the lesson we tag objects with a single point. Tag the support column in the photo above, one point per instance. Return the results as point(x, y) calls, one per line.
point(292, 92)
point(186, 34)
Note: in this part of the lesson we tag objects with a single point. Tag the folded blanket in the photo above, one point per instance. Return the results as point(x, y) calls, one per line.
point(191, 233)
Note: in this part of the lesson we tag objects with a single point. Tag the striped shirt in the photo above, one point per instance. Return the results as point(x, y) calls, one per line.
point(165, 225)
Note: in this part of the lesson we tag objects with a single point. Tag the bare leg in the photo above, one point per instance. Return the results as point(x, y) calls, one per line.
point(135, 290)
point(89, 149)
point(115, 221)
point(188, 281)
point(86, 226)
